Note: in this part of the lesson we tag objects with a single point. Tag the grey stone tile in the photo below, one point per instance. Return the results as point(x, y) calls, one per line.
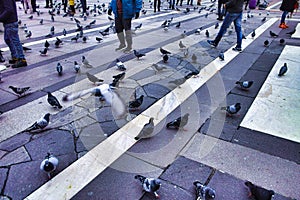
point(3, 175)
point(228, 187)
point(155, 90)
point(57, 142)
point(89, 137)
point(17, 156)
point(143, 74)
point(183, 172)
point(265, 62)
point(15, 142)
point(2, 153)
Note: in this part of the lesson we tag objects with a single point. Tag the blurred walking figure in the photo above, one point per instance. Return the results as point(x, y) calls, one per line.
point(157, 5)
point(9, 18)
point(286, 6)
point(49, 4)
point(221, 9)
point(124, 11)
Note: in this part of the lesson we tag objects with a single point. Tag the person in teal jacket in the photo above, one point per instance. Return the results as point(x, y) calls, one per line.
point(124, 11)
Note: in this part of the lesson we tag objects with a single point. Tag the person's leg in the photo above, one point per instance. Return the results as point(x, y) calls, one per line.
point(219, 11)
point(158, 5)
point(282, 21)
point(9, 43)
point(226, 23)
point(127, 27)
point(155, 3)
point(120, 33)
point(47, 4)
point(238, 29)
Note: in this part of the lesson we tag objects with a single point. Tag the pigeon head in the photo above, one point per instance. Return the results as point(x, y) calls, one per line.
point(48, 167)
point(75, 63)
point(238, 106)
point(47, 117)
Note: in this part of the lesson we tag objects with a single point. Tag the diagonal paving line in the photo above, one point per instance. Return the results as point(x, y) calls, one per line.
point(70, 181)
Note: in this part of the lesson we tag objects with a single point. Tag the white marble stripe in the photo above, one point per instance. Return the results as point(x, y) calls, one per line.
point(69, 182)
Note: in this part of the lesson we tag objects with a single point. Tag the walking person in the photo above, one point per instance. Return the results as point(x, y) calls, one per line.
point(221, 9)
point(178, 2)
point(157, 5)
point(9, 18)
point(49, 4)
point(124, 11)
point(234, 14)
point(83, 3)
point(286, 6)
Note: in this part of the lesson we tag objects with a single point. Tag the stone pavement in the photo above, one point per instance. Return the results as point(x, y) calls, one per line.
point(214, 149)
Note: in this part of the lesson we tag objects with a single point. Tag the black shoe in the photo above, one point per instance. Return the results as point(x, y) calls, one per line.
point(212, 43)
point(237, 49)
point(13, 61)
point(220, 18)
point(20, 63)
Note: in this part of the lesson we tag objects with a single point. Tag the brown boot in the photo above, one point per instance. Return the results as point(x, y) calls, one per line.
point(122, 41)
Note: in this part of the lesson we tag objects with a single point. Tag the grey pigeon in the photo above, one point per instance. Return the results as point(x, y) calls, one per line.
point(47, 44)
point(120, 65)
point(245, 84)
point(105, 92)
point(221, 56)
point(41, 21)
point(85, 62)
point(181, 45)
point(76, 67)
point(281, 41)
point(283, 70)
point(158, 68)
point(165, 58)
point(19, 91)
point(119, 77)
point(59, 69)
point(163, 51)
point(64, 32)
point(259, 193)
point(93, 78)
point(263, 19)
point(135, 104)
point(49, 164)
point(272, 34)
point(99, 39)
point(232, 109)
point(52, 100)
point(138, 54)
point(207, 33)
point(149, 184)
point(44, 52)
point(178, 25)
point(204, 192)
point(179, 123)
point(253, 34)
point(266, 43)
point(147, 130)
point(39, 124)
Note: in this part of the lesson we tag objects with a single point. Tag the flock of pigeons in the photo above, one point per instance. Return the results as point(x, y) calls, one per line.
point(105, 92)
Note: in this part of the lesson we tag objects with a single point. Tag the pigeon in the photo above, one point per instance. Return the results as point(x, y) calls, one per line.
point(163, 51)
point(179, 123)
point(39, 124)
point(253, 34)
point(103, 91)
point(283, 70)
point(49, 164)
point(41, 22)
point(57, 42)
point(232, 109)
point(119, 77)
point(245, 84)
point(77, 21)
point(138, 26)
point(26, 48)
point(99, 39)
point(203, 191)
point(264, 19)
point(136, 103)
point(216, 25)
point(165, 58)
point(47, 44)
point(157, 67)
point(149, 184)
point(29, 34)
point(259, 193)
point(281, 41)
point(194, 58)
point(84, 39)
point(120, 65)
point(272, 34)
point(221, 56)
point(178, 25)
point(144, 11)
point(52, 18)
point(86, 63)
point(207, 33)
point(19, 91)
point(30, 17)
point(52, 100)
point(59, 69)
point(104, 33)
point(183, 34)
point(197, 32)
point(266, 43)
point(93, 78)
point(291, 32)
point(43, 52)
point(181, 45)
point(147, 130)
point(75, 38)
point(110, 18)
point(64, 32)
point(76, 67)
point(138, 54)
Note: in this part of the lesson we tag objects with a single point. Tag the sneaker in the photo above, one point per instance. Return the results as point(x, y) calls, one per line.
point(13, 61)
point(212, 43)
point(121, 46)
point(20, 63)
point(127, 50)
point(237, 49)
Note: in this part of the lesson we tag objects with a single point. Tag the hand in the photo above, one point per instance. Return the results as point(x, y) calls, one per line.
point(109, 11)
point(137, 15)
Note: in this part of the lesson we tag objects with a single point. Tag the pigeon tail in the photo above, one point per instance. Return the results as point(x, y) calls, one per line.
point(140, 178)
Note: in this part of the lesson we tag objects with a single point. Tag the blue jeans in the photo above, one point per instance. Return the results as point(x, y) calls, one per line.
point(236, 18)
point(11, 38)
point(283, 16)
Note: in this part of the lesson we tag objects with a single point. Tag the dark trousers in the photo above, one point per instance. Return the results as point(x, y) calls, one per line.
point(83, 3)
point(49, 3)
point(33, 5)
point(65, 4)
point(157, 5)
point(178, 2)
point(122, 24)
point(11, 38)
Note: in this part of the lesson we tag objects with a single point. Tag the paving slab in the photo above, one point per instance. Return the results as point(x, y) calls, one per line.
point(265, 62)
point(3, 175)
point(15, 142)
point(56, 142)
point(17, 156)
point(183, 172)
